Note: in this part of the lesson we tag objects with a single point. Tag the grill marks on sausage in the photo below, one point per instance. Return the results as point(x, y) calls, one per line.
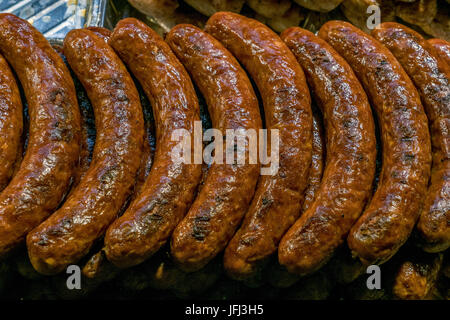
point(431, 75)
point(53, 146)
point(351, 153)
point(281, 83)
point(11, 124)
point(225, 196)
point(390, 216)
point(99, 196)
point(170, 187)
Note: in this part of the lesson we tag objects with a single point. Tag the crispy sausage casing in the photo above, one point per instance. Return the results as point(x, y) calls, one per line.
point(53, 147)
point(69, 233)
point(170, 187)
point(317, 163)
point(229, 187)
point(442, 48)
point(351, 153)
point(11, 123)
point(287, 107)
point(431, 75)
point(392, 212)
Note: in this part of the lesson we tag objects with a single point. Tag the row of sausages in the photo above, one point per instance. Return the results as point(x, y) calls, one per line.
point(304, 212)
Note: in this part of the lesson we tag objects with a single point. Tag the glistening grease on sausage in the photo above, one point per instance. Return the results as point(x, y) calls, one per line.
point(392, 212)
point(11, 124)
point(170, 187)
point(287, 107)
point(70, 232)
point(431, 75)
point(317, 162)
point(442, 48)
point(351, 151)
point(229, 187)
point(52, 154)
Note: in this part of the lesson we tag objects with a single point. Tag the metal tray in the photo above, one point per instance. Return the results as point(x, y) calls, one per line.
point(54, 18)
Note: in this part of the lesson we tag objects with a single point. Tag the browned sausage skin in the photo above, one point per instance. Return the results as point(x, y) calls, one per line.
point(229, 187)
point(351, 152)
point(431, 75)
point(392, 212)
point(101, 32)
point(170, 187)
point(69, 233)
point(442, 48)
point(11, 123)
point(287, 107)
point(53, 146)
point(317, 162)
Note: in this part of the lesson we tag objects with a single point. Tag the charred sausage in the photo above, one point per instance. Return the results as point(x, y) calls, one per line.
point(229, 187)
point(351, 153)
point(431, 75)
point(170, 187)
point(11, 124)
point(70, 232)
point(287, 107)
point(392, 212)
point(52, 154)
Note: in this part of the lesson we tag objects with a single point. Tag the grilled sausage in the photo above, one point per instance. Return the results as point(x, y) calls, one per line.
point(431, 75)
point(87, 135)
point(442, 48)
point(277, 275)
point(147, 152)
point(70, 232)
point(285, 95)
point(229, 187)
point(351, 149)
point(52, 154)
point(170, 187)
point(11, 124)
point(392, 212)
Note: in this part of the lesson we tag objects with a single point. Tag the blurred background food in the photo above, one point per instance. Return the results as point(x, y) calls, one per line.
point(429, 17)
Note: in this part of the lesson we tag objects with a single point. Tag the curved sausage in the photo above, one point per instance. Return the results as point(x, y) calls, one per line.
point(351, 149)
point(277, 275)
point(87, 134)
point(11, 124)
point(431, 75)
point(70, 232)
point(52, 154)
point(170, 187)
point(392, 212)
point(147, 152)
point(442, 48)
point(229, 187)
point(287, 107)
